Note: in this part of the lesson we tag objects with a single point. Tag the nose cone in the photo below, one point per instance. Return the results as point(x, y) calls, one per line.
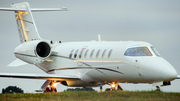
point(169, 73)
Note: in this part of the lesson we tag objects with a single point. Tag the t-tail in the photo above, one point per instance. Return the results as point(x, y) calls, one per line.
point(33, 49)
point(25, 22)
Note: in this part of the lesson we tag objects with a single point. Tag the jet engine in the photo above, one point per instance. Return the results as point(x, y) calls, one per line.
point(33, 51)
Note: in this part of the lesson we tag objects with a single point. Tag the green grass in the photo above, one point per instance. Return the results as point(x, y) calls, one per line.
point(93, 96)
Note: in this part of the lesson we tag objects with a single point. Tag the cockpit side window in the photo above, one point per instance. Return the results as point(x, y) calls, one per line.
point(138, 51)
point(155, 51)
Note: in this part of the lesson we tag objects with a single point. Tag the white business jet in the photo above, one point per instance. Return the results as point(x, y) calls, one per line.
point(82, 64)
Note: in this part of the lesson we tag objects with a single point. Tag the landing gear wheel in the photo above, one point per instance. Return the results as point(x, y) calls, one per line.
point(158, 88)
point(49, 89)
point(108, 89)
point(114, 87)
point(55, 90)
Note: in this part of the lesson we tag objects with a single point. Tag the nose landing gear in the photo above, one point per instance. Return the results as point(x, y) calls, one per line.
point(158, 88)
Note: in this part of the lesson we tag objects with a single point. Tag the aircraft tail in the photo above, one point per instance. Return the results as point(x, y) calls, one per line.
point(25, 22)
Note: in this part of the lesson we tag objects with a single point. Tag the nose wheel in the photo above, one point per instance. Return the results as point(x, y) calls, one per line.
point(158, 88)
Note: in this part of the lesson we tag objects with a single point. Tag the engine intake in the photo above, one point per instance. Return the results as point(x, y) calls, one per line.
point(43, 49)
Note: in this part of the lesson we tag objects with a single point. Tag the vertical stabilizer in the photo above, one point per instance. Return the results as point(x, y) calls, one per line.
point(25, 22)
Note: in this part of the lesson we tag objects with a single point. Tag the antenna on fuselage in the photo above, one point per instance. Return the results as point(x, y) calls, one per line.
point(99, 37)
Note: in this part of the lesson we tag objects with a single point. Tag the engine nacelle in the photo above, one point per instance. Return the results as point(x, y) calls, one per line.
point(33, 51)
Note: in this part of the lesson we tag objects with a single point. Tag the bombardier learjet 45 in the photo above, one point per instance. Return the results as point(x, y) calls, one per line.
point(82, 64)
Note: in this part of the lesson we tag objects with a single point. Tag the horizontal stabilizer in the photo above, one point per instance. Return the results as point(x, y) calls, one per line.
point(17, 63)
point(35, 9)
point(11, 9)
point(48, 9)
point(40, 76)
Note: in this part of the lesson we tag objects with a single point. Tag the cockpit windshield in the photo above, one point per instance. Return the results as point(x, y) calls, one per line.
point(138, 51)
point(155, 51)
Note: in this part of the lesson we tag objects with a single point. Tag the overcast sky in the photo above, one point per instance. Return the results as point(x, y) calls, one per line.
point(153, 21)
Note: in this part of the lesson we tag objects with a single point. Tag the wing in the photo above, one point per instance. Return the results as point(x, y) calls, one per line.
point(40, 76)
point(17, 62)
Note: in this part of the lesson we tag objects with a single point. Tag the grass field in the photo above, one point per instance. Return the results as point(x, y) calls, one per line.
point(93, 96)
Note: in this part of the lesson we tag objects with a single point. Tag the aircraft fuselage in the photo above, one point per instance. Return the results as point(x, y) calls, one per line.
point(102, 62)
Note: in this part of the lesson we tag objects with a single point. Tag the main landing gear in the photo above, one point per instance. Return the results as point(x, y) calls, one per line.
point(114, 87)
point(51, 87)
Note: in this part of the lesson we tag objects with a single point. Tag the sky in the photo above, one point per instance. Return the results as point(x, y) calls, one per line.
point(153, 21)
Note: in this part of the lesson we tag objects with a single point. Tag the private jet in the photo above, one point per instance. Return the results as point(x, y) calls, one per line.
point(84, 64)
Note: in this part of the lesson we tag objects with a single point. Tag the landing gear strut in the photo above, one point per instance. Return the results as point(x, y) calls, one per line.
point(114, 86)
point(51, 87)
point(158, 88)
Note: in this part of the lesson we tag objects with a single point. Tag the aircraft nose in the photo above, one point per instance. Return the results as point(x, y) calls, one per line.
point(169, 73)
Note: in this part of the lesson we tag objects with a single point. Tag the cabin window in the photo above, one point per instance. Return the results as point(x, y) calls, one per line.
point(70, 55)
point(109, 55)
point(98, 53)
point(104, 52)
point(138, 51)
point(75, 55)
point(91, 53)
point(80, 55)
point(85, 55)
